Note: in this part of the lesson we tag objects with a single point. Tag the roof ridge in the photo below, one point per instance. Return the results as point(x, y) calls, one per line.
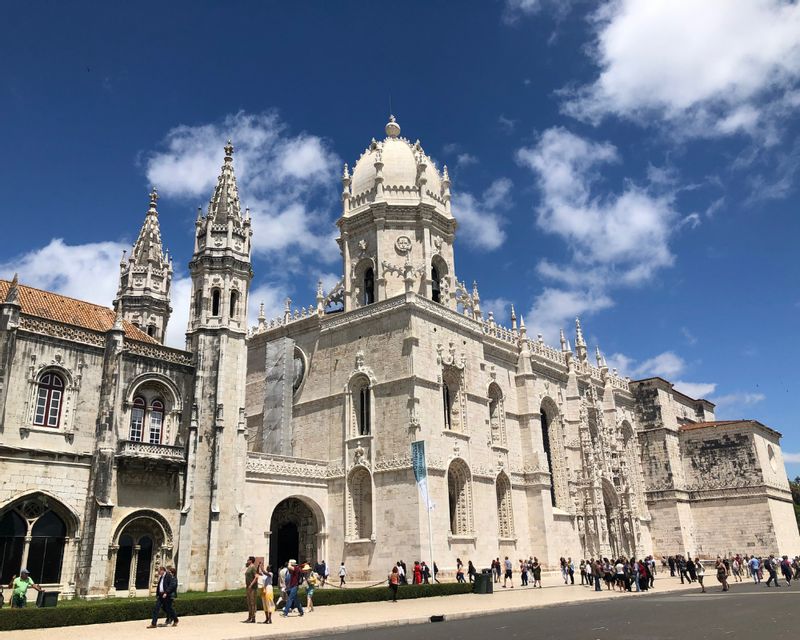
point(61, 295)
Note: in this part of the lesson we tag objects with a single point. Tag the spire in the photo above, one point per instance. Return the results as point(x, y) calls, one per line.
point(563, 340)
point(262, 319)
point(599, 357)
point(224, 201)
point(580, 343)
point(148, 248)
point(513, 319)
point(12, 296)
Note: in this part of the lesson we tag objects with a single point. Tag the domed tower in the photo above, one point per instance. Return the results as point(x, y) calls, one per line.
point(396, 228)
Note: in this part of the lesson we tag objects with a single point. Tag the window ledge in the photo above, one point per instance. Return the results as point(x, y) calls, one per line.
point(512, 540)
point(499, 447)
point(370, 540)
point(467, 537)
point(352, 439)
point(455, 434)
point(56, 431)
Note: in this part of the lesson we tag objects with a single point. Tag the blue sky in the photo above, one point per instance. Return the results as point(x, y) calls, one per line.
point(631, 162)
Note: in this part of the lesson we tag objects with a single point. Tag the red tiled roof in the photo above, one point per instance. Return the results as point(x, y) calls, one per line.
point(53, 306)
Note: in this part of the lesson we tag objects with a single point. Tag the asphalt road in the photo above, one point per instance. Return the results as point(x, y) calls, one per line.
point(746, 611)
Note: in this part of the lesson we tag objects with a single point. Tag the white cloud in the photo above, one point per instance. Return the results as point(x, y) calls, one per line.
point(84, 271)
point(272, 295)
point(506, 124)
point(696, 389)
point(709, 68)
point(280, 176)
point(479, 219)
point(554, 309)
point(500, 307)
point(514, 9)
point(668, 365)
point(626, 233)
point(739, 399)
point(791, 458)
point(466, 159)
point(180, 298)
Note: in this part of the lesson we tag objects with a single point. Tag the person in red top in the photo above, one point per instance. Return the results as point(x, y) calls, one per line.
point(417, 572)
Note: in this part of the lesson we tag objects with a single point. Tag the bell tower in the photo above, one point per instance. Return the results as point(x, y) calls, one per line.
point(221, 272)
point(145, 278)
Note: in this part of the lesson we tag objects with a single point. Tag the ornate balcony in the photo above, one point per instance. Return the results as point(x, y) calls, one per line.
point(147, 452)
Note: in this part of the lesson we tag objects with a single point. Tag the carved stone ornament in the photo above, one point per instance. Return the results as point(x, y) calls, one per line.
point(437, 244)
point(403, 245)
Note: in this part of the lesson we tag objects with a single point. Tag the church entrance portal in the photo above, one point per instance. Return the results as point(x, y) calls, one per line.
point(294, 530)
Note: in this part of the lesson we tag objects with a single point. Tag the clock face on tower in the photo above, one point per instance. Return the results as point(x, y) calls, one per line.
point(299, 369)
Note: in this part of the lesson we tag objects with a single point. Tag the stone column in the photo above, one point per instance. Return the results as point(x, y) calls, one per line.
point(132, 576)
point(25, 549)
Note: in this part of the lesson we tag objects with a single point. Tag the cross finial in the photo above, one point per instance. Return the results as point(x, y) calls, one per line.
point(229, 149)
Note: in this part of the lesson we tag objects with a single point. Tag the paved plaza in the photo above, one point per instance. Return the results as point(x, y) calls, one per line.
point(671, 610)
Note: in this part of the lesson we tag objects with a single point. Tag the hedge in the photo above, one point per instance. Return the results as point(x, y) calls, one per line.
point(119, 610)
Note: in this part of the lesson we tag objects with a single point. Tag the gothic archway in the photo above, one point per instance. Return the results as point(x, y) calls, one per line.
point(613, 524)
point(34, 531)
point(142, 543)
point(294, 527)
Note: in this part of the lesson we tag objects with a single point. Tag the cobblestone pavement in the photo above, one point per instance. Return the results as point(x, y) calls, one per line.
point(371, 616)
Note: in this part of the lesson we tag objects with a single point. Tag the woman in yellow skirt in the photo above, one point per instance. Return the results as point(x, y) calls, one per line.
point(266, 592)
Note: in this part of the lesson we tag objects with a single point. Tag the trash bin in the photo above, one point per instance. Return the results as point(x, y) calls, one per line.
point(483, 582)
point(47, 598)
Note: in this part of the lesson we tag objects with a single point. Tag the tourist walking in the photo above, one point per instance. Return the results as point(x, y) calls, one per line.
point(311, 585)
point(266, 593)
point(769, 565)
point(342, 575)
point(786, 569)
point(753, 563)
point(426, 573)
point(251, 588)
point(701, 572)
point(523, 572)
point(471, 571)
point(435, 572)
point(19, 589)
point(598, 572)
point(536, 569)
point(166, 587)
point(460, 571)
point(394, 582)
point(722, 574)
point(571, 570)
point(509, 572)
point(401, 572)
point(292, 585)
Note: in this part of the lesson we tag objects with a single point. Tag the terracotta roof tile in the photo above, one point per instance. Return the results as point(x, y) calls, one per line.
point(53, 306)
point(691, 426)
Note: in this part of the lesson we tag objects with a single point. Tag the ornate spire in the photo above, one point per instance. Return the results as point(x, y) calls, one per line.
point(563, 340)
point(148, 248)
point(13, 291)
point(513, 319)
point(579, 342)
point(262, 319)
point(224, 201)
point(599, 357)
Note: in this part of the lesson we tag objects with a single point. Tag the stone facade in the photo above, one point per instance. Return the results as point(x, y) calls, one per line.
point(294, 438)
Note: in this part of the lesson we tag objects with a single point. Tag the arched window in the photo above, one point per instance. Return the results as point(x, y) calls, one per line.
point(137, 419)
point(436, 292)
point(496, 417)
point(140, 548)
point(198, 302)
point(151, 330)
point(459, 493)
point(31, 531)
point(48, 400)
point(122, 569)
point(147, 418)
point(369, 286)
point(505, 512)
point(234, 306)
point(548, 452)
point(215, 302)
point(364, 425)
point(360, 505)
point(156, 421)
point(447, 404)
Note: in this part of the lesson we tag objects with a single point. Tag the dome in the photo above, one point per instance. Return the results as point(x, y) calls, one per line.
point(399, 157)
